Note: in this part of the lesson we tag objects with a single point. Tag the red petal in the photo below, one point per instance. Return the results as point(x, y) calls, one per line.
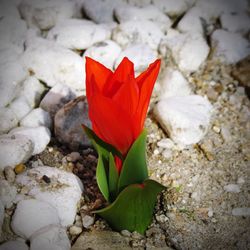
point(110, 123)
point(146, 83)
point(95, 70)
point(123, 73)
point(127, 96)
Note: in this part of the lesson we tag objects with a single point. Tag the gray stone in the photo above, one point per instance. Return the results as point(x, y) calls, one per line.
point(68, 121)
point(87, 221)
point(9, 174)
point(232, 188)
point(56, 98)
point(14, 245)
point(241, 211)
point(101, 240)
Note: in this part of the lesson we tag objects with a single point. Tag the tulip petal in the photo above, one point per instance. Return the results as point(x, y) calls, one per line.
point(127, 97)
point(146, 83)
point(123, 73)
point(111, 124)
point(97, 71)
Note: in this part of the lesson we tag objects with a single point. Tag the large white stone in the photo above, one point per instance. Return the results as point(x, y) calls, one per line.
point(150, 12)
point(1, 217)
point(189, 50)
point(14, 245)
point(20, 107)
point(142, 31)
point(45, 14)
point(140, 54)
point(7, 193)
point(105, 52)
point(229, 47)
point(40, 136)
point(101, 11)
point(63, 193)
point(173, 83)
point(14, 150)
point(57, 96)
point(9, 54)
point(8, 8)
point(192, 21)
point(32, 90)
point(32, 215)
point(171, 7)
point(37, 117)
point(13, 32)
point(11, 75)
point(235, 22)
point(54, 64)
point(9, 120)
point(52, 237)
point(185, 119)
point(78, 34)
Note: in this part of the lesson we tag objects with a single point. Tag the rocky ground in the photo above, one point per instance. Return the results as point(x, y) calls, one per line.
point(198, 123)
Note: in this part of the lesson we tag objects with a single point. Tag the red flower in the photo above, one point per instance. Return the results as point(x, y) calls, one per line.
point(118, 101)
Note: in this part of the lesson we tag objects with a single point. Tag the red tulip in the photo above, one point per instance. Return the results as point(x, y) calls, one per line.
point(118, 101)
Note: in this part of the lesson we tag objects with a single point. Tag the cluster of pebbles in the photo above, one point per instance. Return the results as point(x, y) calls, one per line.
point(198, 121)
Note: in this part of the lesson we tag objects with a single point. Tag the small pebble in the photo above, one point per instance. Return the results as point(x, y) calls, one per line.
point(50, 149)
point(9, 174)
point(125, 233)
point(46, 179)
point(165, 143)
point(137, 236)
point(241, 211)
point(20, 168)
point(73, 157)
point(216, 129)
point(87, 221)
point(210, 212)
point(232, 188)
point(74, 230)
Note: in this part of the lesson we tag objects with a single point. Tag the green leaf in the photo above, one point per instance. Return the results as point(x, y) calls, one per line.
point(113, 178)
point(133, 209)
point(101, 177)
point(104, 147)
point(134, 168)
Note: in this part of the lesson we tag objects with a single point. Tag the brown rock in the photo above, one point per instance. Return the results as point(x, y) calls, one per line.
point(68, 121)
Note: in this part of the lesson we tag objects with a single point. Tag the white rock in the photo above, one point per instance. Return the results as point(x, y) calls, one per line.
point(32, 90)
point(166, 143)
point(185, 118)
point(171, 7)
point(173, 83)
point(32, 215)
point(140, 54)
point(78, 34)
point(192, 21)
point(14, 245)
point(55, 99)
point(7, 193)
point(236, 22)
point(64, 198)
point(135, 32)
point(75, 230)
point(214, 8)
point(14, 150)
point(37, 117)
point(52, 237)
point(188, 50)
point(8, 8)
point(105, 52)
point(40, 136)
point(45, 14)
point(1, 216)
point(13, 32)
point(241, 211)
point(229, 47)
point(150, 12)
point(232, 188)
point(9, 120)
point(101, 11)
point(11, 75)
point(54, 64)
point(87, 221)
point(20, 107)
point(140, 3)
